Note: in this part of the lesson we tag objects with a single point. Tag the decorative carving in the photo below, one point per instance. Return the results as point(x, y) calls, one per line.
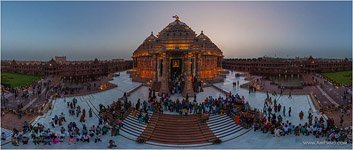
point(176, 17)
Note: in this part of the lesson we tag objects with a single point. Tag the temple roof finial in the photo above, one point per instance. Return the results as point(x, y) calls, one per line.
point(176, 17)
point(151, 32)
point(201, 31)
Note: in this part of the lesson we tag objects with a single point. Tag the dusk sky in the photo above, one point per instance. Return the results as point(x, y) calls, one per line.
point(106, 30)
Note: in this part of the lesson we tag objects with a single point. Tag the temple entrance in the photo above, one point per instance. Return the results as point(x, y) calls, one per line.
point(176, 81)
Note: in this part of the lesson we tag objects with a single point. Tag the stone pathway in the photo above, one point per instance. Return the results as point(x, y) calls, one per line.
point(327, 96)
point(32, 101)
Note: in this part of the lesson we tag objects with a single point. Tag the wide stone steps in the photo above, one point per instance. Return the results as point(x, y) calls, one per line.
point(132, 128)
point(225, 128)
point(177, 130)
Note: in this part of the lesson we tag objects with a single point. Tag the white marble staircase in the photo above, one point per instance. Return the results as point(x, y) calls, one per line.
point(225, 128)
point(132, 129)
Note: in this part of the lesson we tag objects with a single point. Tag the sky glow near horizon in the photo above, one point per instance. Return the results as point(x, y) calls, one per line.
point(106, 30)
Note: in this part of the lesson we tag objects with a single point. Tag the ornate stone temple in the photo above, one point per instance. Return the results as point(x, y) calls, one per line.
point(177, 60)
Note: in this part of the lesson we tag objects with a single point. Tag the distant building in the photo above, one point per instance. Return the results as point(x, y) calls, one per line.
point(60, 59)
point(287, 67)
point(68, 71)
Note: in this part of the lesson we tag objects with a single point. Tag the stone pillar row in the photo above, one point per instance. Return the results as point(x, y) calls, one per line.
point(188, 90)
point(165, 76)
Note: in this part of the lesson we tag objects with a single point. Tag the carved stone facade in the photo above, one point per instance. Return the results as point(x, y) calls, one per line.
point(177, 49)
point(68, 71)
point(287, 66)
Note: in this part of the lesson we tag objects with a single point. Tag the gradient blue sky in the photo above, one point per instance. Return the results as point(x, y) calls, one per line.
point(106, 30)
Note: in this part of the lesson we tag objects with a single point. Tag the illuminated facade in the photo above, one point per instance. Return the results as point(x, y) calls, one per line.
point(68, 71)
point(287, 66)
point(177, 49)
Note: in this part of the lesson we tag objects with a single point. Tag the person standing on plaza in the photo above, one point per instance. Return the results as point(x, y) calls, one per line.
point(60, 121)
point(275, 102)
point(289, 111)
point(100, 120)
point(264, 110)
point(75, 101)
point(269, 110)
point(84, 113)
point(113, 131)
point(290, 94)
point(19, 114)
point(301, 115)
point(341, 120)
point(62, 117)
point(52, 123)
point(284, 111)
point(98, 137)
point(56, 119)
point(310, 111)
point(82, 118)
point(90, 112)
point(281, 92)
point(78, 110)
point(3, 136)
point(137, 106)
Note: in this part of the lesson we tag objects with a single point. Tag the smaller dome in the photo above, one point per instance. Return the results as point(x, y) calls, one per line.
point(202, 36)
point(151, 38)
point(148, 42)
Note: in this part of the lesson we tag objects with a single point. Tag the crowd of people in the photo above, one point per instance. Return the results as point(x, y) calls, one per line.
point(111, 118)
point(114, 114)
point(272, 122)
point(176, 83)
point(269, 120)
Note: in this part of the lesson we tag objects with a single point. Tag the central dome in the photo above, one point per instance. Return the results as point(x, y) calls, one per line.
point(177, 30)
point(176, 36)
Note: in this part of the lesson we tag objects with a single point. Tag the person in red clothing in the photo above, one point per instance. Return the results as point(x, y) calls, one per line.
point(267, 127)
point(237, 119)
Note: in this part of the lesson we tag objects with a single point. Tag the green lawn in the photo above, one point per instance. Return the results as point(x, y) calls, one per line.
point(17, 80)
point(342, 78)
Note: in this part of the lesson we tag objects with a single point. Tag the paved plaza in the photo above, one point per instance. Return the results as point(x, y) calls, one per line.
point(248, 140)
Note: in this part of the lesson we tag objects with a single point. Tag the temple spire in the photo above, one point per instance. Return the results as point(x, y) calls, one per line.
point(176, 17)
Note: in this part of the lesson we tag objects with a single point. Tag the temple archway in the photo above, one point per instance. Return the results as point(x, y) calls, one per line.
point(176, 76)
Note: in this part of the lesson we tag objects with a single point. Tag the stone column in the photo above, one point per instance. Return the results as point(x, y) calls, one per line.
point(165, 76)
point(154, 68)
point(198, 65)
point(188, 90)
